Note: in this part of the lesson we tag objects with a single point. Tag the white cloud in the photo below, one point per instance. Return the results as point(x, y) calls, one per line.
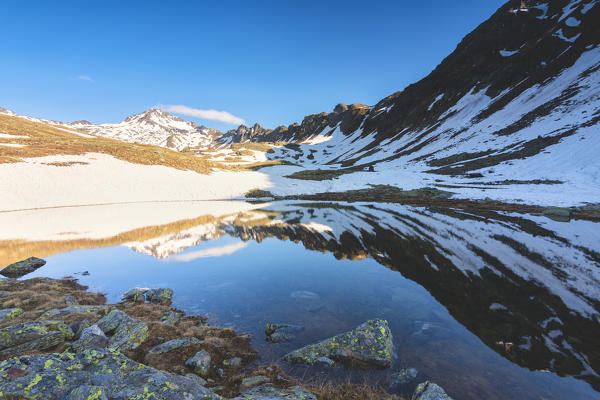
point(211, 252)
point(215, 115)
point(85, 78)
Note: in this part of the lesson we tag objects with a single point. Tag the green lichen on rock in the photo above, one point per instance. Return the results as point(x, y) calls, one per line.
point(88, 393)
point(10, 313)
point(74, 309)
point(162, 295)
point(24, 267)
point(135, 294)
point(429, 391)
point(171, 318)
point(174, 345)
point(369, 345)
point(254, 381)
point(33, 336)
point(268, 392)
point(128, 334)
point(58, 376)
point(199, 362)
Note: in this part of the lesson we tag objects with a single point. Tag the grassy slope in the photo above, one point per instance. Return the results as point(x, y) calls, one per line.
point(47, 140)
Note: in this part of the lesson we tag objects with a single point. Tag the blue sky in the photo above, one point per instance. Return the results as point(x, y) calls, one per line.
point(270, 62)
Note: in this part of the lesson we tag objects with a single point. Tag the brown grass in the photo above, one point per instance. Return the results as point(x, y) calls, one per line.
point(45, 140)
point(352, 392)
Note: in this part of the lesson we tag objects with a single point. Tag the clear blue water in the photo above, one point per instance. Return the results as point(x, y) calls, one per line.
point(255, 284)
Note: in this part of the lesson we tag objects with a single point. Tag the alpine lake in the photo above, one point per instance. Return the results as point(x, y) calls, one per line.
point(487, 304)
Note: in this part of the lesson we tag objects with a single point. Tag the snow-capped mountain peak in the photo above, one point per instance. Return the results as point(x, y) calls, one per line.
point(154, 126)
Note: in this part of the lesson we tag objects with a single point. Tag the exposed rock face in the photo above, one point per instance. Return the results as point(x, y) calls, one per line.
point(369, 346)
point(74, 309)
point(268, 392)
point(24, 267)
point(57, 376)
point(33, 336)
point(128, 334)
point(174, 345)
point(91, 338)
point(87, 393)
point(200, 362)
point(429, 391)
point(348, 117)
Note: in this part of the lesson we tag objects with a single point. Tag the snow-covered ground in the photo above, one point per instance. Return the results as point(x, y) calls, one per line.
point(103, 179)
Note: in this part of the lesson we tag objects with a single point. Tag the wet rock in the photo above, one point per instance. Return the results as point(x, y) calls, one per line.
point(161, 295)
point(405, 381)
point(91, 338)
point(171, 318)
point(429, 391)
point(277, 333)
point(128, 334)
point(174, 345)
point(233, 362)
point(268, 392)
point(304, 294)
point(135, 294)
point(24, 267)
point(87, 393)
point(70, 300)
point(254, 381)
point(56, 376)
point(558, 214)
point(369, 345)
point(33, 336)
point(199, 362)
point(10, 313)
point(315, 308)
point(74, 309)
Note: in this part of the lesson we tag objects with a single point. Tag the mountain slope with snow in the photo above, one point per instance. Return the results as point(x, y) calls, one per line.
point(156, 127)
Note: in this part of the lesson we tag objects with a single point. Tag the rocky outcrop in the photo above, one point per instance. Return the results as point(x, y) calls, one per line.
point(33, 336)
point(59, 376)
point(24, 267)
point(135, 294)
point(91, 338)
point(162, 296)
point(128, 334)
point(369, 346)
point(74, 309)
point(10, 313)
point(174, 344)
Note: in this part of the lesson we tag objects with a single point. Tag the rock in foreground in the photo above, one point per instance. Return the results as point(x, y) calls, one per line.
point(368, 346)
point(60, 376)
point(429, 391)
point(24, 267)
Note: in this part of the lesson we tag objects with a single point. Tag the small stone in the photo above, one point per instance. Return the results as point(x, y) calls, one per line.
point(429, 391)
point(325, 361)
point(220, 372)
point(254, 381)
point(161, 295)
point(91, 338)
point(174, 345)
point(87, 393)
point(405, 381)
point(233, 362)
point(24, 267)
point(70, 300)
point(10, 313)
point(200, 362)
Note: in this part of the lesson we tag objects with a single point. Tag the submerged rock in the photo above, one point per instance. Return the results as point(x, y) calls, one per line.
point(128, 334)
point(24, 267)
point(281, 332)
point(269, 392)
point(33, 336)
point(199, 362)
point(405, 381)
point(369, 345)
point(162, 295)
point(233, 362)
point(10, 313)
point(91, 338)
point(57, 376)
point(304, 294)
point(174, 345)
point(429, 391)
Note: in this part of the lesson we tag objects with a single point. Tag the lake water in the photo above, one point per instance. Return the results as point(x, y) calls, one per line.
point(488, 304)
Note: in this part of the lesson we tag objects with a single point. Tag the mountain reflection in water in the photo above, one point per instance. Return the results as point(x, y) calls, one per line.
point(527, 286)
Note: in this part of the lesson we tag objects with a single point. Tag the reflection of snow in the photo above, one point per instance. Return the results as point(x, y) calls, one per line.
point(210, 252)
